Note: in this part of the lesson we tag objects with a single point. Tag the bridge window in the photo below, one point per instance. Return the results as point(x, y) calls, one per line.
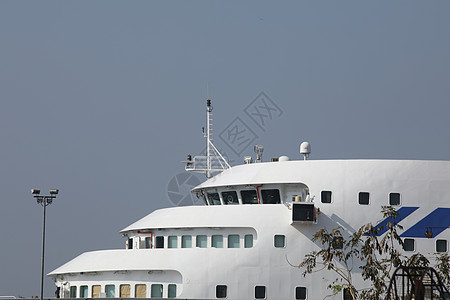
point(249, 197)
point(156, 291)
point(172, 291)
point(140, 291)
point(73, 292)
point(270, 196)
point(221, 291)
point(260, 292)
point(364, 198)
point(248, 241)
point(130, 243)
point(201, 241)
point(441, 245)
point(300, 293)
point(279, 241)
point(172, 242)
point(159, 242)
point(186, 241)
point(110, 290)
point(230, 197)
point(325, 196)
point(83, 291)
point(408, 245)
point(233, 241)
point(394, 199)
point(217, 241)
point(213, 198)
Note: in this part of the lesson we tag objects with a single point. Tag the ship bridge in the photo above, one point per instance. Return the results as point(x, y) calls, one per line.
point(262, 183)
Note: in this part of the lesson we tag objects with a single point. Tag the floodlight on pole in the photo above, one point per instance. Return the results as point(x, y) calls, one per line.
point(44, 201)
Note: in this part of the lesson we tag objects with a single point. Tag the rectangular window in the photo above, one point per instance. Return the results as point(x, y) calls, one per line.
point(230, 197)
point(73, 292)
point(279, 241)
point(363, 198)
point(157, 291)
point(260, 292)
point(125, 291)
point(110, 290)
point(325, 196)
point(347, 294)
point(130, 243)
point(270, 196)
point(221, 291)
point(213, 198)
point(441, 245)
point(248, 241)
point(201, 241)
point(159, 242)
point(172, 242)
point(394, 199)
point(408, 245)
point(140, 291)
point(186, 241)
point(148, 242)
point(217, 241)
point(96, 291)
point(172, 291)
point(233, 241)
point(84, 291)
point(338, 242)
point(249, 197)
point(300, 293)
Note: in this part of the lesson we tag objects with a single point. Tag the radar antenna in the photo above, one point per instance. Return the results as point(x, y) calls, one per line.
point(213, 161)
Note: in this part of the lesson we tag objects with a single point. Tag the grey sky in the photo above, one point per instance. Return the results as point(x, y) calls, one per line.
point(103, 99)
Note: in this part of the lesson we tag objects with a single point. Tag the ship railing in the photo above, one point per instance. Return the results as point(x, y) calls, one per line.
point(200, 164)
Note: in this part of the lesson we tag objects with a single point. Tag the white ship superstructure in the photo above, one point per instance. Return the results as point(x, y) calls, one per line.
point(255, 227)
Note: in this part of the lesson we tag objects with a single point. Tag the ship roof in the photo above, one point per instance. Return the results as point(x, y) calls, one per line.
point(301, 171)
point(203, 216)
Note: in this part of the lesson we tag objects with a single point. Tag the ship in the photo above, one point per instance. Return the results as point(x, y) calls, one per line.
point(257, 223)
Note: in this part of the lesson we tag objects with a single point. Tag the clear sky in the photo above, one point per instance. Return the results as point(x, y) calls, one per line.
point(103, 99)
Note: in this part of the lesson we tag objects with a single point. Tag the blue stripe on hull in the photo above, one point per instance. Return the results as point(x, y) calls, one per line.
point(437, 221)
point(403, 212)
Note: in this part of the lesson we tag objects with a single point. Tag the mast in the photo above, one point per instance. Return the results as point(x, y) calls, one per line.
point(208, 137)
point(213, 161)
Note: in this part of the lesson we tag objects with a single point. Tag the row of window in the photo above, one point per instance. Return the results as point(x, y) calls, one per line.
point(201, 241)
point(272, 196)
point(157, 291)
point(363, 198)
point(409, 245)
point(269, 196)
point(140, 291)
point(260, 292)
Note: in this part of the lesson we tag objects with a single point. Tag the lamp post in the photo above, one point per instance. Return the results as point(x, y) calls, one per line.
point(44, 201)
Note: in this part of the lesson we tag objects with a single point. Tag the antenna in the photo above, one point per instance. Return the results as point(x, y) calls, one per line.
point(259, 151)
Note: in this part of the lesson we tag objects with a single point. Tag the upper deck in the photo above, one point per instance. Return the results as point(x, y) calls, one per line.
point(336, 187)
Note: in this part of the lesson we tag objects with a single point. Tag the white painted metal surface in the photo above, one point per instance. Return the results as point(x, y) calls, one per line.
point(196, 271)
